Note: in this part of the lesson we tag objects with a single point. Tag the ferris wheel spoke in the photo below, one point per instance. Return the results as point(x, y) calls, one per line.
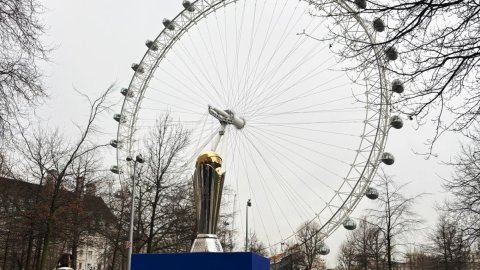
point(238, 37)
point(317, 113)
point(299, 138)
point(288, 188)
point(258, 174)
point(186, 84)
point(319, 104)
point(284, 35)
point(267, 36)
point(274, 90)
point(256, 152)
point(284, 142)
point(213, 61)
point(295, 201)
point(310, 93)
point(253, 30)
point(194, 105)
point(271, 87)
point(169, 106)
point(307, 93)
point(213, 55)
point(193, 74)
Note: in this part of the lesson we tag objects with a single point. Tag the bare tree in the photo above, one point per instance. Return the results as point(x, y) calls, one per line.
point(118, 202)
point(257, 246)
point(163, 173)
point(437, 47)
point(48, 158)
point(394, 215)
point(21, 50)
point(310, 243)
point(465, 188)
point(421, 260)
point(450, 245)
point(364, 247)
point(346, 256)
point(6, 165)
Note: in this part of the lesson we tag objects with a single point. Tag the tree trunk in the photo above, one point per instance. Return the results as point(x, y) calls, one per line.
point(389, 253)
point(152, 223)
point(29, 250)
point(38, 253)
point(74, 252)
point(46, 245)
point(5, 255)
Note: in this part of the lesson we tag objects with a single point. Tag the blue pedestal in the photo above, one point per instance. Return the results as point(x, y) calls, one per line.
point(200, 261)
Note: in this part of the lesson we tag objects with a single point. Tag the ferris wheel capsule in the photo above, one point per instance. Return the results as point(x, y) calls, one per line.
point(114, 143)
point(391, 53)
point(397, 86)
point(188, 6)
point(396, 122)
point(388, 158)
point(119, 118)
point(372, 193)
point(168, 24)
point(114, 169)
point(137, 68)
point(126, 92)
point(323, 249)
point(151, 45)
point(378, 25)
point(361, 4)
point(349, 224)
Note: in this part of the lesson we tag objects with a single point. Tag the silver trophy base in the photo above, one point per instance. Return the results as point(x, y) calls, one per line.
point(206, 243)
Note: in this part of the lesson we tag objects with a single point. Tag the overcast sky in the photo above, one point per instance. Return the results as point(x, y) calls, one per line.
point(95, 43)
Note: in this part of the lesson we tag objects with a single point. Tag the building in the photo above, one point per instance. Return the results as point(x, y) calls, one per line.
point(78, 219)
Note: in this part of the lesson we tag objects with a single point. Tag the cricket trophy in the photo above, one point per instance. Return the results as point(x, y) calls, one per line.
point(207, 187)
point(206, 252)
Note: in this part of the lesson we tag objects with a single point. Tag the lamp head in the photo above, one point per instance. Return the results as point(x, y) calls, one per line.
point(139, 159)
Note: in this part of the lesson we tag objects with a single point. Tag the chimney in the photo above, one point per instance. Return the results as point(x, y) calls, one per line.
point(79, 185)
point(90, 189)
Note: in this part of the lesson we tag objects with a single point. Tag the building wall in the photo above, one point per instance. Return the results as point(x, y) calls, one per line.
point(90, 255)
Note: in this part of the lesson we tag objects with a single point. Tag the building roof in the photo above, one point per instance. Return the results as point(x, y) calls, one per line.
point(17, 190)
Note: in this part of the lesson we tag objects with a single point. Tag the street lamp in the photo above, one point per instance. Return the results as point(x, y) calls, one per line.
point(249, 204)
point(138, 159)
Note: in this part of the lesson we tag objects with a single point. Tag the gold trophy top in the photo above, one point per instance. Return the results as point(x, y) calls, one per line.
point(211, 158)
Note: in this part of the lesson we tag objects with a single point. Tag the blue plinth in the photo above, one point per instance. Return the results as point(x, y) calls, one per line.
point(200, 261)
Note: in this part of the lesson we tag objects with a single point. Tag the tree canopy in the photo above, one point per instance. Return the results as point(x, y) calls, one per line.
point(21, 51)
point(438, 60)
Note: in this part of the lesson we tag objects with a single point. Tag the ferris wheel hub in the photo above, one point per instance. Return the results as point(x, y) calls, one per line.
point(227, 117)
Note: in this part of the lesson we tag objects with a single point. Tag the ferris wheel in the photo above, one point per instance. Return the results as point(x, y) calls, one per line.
point(301, 133)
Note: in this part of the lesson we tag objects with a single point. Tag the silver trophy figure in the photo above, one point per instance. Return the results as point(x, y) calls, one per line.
point(207, 187)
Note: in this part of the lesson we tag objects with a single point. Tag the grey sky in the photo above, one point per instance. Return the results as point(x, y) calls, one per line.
point(96, 41)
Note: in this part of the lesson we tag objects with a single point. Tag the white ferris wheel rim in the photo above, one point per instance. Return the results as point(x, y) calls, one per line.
point(167, 39)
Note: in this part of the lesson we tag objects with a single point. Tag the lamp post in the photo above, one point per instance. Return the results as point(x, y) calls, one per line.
point(249, 204)
point(138, 159)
